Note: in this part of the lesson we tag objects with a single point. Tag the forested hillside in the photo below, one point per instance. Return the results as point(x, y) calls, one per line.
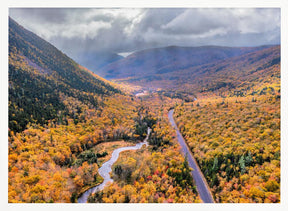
point(234, 132)
point(60, 112)
point(39, 75)
point(57, 111)
point(65, 121)
point(237, 73)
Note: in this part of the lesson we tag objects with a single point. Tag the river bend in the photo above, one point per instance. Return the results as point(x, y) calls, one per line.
point(105, 169)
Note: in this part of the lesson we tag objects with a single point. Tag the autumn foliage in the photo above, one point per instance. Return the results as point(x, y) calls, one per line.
point(60, 112)
point(158, 173)
point(236, 141)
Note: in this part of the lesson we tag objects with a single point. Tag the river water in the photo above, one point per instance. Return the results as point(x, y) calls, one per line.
point(105, 169)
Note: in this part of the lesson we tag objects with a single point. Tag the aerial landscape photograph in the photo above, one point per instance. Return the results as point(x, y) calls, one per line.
point(144, 105)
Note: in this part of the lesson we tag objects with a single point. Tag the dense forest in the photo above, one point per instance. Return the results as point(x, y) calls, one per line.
point(65, 122)
point(236, 141)
point(39, 75)
point(60, 112)
point(156, 174)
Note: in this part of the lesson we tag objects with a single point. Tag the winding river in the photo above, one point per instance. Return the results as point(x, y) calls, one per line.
point(201, 184)
point(105, 169)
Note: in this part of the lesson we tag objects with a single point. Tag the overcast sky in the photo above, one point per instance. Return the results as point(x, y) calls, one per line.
point(123, 30)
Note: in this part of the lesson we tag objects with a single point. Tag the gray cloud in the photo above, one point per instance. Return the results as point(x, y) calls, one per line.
point(122, 30)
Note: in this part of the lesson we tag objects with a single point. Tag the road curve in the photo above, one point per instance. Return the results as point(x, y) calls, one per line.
point(201, 184)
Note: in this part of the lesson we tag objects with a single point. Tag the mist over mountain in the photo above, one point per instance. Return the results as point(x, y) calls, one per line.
point(255, 66)
point(169, 59)
point(68, 125)
point(97, 60)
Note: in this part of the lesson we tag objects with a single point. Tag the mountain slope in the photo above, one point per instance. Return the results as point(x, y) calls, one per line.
point(233, 128)
point(239, 72)
point(168, 59)
point(61, 118)
point(232, 72)
point(38, 73)
point(58, 111)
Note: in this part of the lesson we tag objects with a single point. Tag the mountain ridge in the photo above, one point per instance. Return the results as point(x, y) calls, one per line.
point(168, 59)
point(241, 72)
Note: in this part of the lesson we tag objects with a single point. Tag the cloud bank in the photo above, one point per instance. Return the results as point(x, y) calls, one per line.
point(123, 30)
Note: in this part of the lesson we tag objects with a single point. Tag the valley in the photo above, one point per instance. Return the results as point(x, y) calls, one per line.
point(209, 118)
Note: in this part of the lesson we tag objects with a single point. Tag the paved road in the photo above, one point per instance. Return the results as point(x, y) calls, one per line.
point(201, 184)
